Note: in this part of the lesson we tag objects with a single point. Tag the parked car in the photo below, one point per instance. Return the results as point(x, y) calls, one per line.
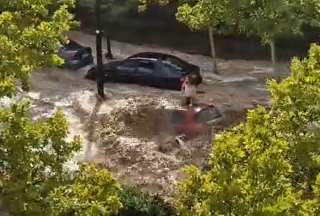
point(148, 68)
point(75, 55)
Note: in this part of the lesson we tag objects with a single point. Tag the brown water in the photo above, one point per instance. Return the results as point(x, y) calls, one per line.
point(142, 154)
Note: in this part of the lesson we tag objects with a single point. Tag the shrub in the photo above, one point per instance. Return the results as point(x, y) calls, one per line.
point(270, 164)
point(92, 193)
point(137, 203)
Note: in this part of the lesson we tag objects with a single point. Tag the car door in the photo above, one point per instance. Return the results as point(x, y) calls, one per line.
point(145, 72)
point(169, 75)
point(125, 71)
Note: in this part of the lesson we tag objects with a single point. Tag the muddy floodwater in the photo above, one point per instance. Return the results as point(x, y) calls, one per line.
point(128, 133)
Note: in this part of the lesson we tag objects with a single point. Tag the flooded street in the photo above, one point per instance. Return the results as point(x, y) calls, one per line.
point(133, 150)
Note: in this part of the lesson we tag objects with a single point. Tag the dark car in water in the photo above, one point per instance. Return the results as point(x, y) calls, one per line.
point(75, 55)
point(148, 68)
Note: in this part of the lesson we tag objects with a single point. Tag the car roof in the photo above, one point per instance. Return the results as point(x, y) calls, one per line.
point(148, 55)
point(154, 55)
point(73, 45)
point(143, 59)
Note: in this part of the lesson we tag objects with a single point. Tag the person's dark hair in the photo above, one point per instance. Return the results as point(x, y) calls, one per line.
point(195, 78)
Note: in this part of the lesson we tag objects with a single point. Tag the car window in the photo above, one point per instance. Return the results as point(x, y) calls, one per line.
point(207, 114)
point(171, 67)
point(128, 64)
point(68, 54)
point(85, 55)
point(175, 62)
point(169, 70)
point(146, 66)
point(145, 55)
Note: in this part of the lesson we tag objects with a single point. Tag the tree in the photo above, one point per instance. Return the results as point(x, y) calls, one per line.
point(312, 207)
point(136, 202)
point(92, 193)
point(112, 9)
point(212, 15)
point(32, 157)
point(32, 152)
point(143, 4)
point(30, 35)
point(273, 18)
point(270, 164)
point(215, 16)
point(33, 177)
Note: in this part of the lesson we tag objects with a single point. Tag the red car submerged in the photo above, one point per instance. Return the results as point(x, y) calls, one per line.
point(194, 121)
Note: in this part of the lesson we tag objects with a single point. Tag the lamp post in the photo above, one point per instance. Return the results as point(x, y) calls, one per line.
point(109, 54)
point(99, 33)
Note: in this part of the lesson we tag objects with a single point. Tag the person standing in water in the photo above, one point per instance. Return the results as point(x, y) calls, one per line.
point(189, 89)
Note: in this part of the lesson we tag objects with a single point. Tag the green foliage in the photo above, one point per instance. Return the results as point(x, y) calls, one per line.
point(202, 14)
point(296, 103)
point(32, 154)
point(269, 164)
point(93, 193)
point(143, 4)
point(30, 34)
point(112, 9)
point(216, 16)
point(137, 203)
point(91, 3)
point(312, 207)
point(268, 19)
point(273, 18)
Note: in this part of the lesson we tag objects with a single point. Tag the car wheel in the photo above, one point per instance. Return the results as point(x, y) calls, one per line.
point(108, 77)
point(91, 74)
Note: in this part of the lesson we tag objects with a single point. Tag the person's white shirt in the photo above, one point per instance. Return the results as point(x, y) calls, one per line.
point(190, 90)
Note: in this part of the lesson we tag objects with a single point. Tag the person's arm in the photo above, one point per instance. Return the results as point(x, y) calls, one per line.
point(183, 86)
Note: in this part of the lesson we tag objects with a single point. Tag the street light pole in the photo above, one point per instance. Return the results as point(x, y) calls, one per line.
point(109, 53)
point(100, 73)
